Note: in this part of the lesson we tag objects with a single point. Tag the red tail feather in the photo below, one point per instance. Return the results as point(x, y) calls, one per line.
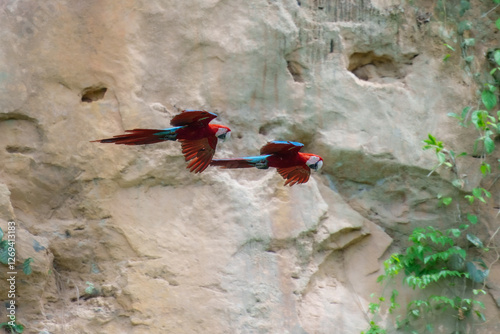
point(135, 137)
point(231, 163)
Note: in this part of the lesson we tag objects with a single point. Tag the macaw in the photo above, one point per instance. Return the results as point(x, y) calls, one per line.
point(294, 166)
point(198, 138)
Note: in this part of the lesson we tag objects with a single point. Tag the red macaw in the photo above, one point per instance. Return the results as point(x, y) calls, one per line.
point(294, 166)
point(198, 138)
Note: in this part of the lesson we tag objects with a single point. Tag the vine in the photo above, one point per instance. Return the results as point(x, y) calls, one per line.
point(447, 268)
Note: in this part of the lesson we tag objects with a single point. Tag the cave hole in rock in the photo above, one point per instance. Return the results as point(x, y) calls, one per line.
point(296, 70)
point(19, 133)
point(19, 149)
point(264, 130)
point(94, 93)
point(368, 66)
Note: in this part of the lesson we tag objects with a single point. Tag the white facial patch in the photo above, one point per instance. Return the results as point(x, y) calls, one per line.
point(315, 163)
point(223, 133)
point(320, 164)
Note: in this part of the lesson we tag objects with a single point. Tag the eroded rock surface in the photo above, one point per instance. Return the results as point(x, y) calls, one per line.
point(126, 240)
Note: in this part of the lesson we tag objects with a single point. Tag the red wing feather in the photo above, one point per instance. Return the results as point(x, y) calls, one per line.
point(192, 117)
point(295, 174)
point(200, 152)
point(281, 147)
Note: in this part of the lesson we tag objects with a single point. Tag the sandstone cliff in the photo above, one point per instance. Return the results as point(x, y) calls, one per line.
point(360, 83)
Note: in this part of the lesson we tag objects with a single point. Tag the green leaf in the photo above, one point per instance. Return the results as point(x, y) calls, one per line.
point(1, 233)
point(465, 111)
point(477, 118)
point(463, 26)
point(497, 23)
point(489, 99)
point(456, 262)
point(464, 6)
point(90, 289)
point(469, 42)
point(472, 218)
point(16, 328)
point(27, 266)
point(479, 314)
point(476, 274)
point(469, 59)
point(455, 232)
point(446, 200)
point(475, 240)
point(489, 145)
point(19, 328)
point(458, 183)
point(496, 54)
point(441, 157)
point(485, 168)
point(449, 47)
point(477, 302)
point(4, 254)
point(477, 192)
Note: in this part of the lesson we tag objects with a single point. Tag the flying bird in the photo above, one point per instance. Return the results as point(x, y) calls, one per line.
point(191, 128)
point(294, 166)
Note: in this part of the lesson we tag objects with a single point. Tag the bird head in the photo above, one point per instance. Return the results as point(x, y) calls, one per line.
point(223, 132)
point(315, 162)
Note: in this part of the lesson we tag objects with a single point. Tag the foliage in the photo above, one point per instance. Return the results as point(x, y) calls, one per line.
point(445, 58)
point(374, 329)
point(91, 290)
point(451, 259)
point(435, 258)
point(4, 249)
point(27, 266)
point(4, 254)
point(9, 328)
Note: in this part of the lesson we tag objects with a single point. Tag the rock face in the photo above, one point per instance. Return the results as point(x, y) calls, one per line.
point(126, 240)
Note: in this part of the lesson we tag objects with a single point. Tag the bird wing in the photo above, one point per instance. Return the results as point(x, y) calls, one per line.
point(295, 174)
point(199, 118)
point(281, 147)
point(199, 151)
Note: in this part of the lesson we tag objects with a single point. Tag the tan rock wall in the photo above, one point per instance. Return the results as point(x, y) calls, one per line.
point(360, 83)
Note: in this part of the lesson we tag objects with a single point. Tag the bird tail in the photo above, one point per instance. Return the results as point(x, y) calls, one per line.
point(247, 162)
point(142, 136)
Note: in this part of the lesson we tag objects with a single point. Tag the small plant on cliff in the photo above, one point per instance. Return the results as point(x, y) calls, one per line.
point(12, 328)
point(448, 269)
point(435, 259)
point(374, 329)
point(7, 249)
